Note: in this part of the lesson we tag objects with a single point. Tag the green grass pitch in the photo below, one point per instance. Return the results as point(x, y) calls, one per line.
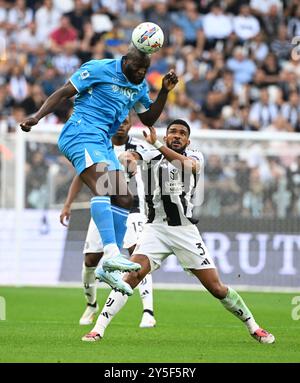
point(42, 326)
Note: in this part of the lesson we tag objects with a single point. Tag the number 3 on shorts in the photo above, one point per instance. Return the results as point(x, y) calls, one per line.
point(199, 246)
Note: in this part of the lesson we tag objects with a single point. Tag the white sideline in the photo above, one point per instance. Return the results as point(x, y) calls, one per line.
point(173, 286)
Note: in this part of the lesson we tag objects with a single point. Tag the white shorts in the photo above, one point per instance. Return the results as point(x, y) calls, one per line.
point(93, 242)
point(135, 224)
point(158, 240)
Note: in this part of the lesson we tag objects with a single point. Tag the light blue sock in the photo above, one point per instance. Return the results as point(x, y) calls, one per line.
point(103, 217)
point(120, 219)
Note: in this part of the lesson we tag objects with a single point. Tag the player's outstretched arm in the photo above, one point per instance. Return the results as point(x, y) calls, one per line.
point(74, 189)
point(168, 83)
point(189, 164)
point(49, 106)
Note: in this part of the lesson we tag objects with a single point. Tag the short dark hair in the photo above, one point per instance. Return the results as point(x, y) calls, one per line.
point(135, 55)
point(178, 121)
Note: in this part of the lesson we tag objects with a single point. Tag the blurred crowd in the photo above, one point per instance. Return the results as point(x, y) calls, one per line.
point(236, 60)
point(257, 186)
point(247, 180)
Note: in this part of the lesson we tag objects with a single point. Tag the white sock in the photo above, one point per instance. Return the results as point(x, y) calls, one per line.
point(146, 293)
point(113, 305)
point(234, 303)
point(111, 250)
point(89, 283)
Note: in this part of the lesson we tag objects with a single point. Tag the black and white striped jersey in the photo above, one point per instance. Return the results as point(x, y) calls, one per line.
point(136, 185)
point(170, 192)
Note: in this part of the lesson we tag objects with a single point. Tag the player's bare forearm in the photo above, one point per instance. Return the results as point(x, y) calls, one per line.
point(168, 83)
point(49, 106)
point(74, 189)
point(188, 164)
point(150, 117)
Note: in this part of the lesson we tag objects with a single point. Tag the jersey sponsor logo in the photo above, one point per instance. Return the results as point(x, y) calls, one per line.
point(174, 187)
point(127, 92)
point(170, 180)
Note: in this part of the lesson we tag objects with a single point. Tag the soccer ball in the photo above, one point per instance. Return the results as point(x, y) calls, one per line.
point(147, 37)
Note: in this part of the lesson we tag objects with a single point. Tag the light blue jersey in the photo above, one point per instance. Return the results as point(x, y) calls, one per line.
point(104, 99)
point(105, 96)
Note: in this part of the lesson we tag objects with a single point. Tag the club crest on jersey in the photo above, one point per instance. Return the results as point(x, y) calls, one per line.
point(147, 35)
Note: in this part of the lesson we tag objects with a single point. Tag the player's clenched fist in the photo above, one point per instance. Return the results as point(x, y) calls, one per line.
point(28, 123)
point(169, 81)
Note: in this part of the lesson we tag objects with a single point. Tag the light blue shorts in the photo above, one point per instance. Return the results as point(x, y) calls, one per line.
point(84, 147)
